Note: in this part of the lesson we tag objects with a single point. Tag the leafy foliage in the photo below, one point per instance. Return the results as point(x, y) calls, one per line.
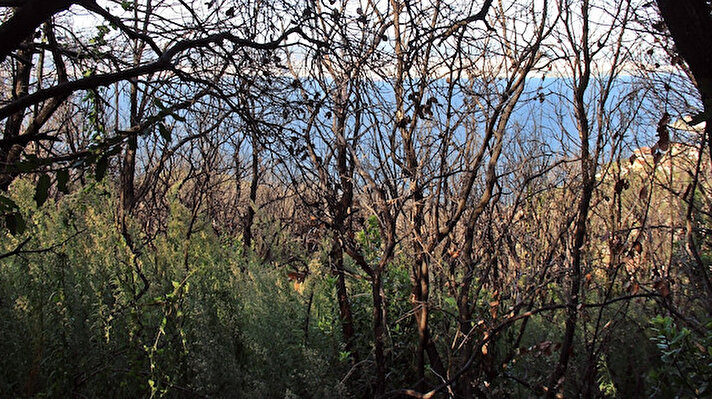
point(686, 370)
point(74, 321)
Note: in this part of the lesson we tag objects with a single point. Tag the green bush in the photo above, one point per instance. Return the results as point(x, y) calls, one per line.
point(686, 370)
point(76, 318)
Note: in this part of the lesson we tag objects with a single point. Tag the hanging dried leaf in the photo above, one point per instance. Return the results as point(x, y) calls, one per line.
point(662, 287)
point(403, 123)
point(454, 253)
point(643, 194)
point(634, 287)
point(100, 168)
point(656, 157)
point(621, 185)
point(62, 180)
point(42, 189)
point(663, 133)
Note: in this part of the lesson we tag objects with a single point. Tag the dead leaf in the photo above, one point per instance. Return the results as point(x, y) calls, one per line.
point(454, 253)
point(662, 287)
point(643, 194)
point(656, 157)
point(663, 133)
point(701, 348)
point(634, 287)
point(621, 185)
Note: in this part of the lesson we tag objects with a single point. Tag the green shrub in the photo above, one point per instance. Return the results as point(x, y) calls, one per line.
point(686, 370)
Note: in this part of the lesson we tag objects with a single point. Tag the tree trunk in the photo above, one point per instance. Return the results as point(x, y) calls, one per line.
point(690, 25)
point(588, 171)
point(23, 22)
point(10, 153)
point(347, 323)
point(252, 203)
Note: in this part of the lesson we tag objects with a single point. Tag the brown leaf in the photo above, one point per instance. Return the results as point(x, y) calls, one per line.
point(701, 348)
point(662, 287)
point(621, 185)
point(656, 157)
point(634, 287)
point(663, 133)
point(493, 308)
point(454, 253)
point(643, 194)
point(638, 247)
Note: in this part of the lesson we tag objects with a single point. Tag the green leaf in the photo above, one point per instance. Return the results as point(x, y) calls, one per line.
point(42, 189)
point(62, 180)
point(101, 165)
point(450, 301)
